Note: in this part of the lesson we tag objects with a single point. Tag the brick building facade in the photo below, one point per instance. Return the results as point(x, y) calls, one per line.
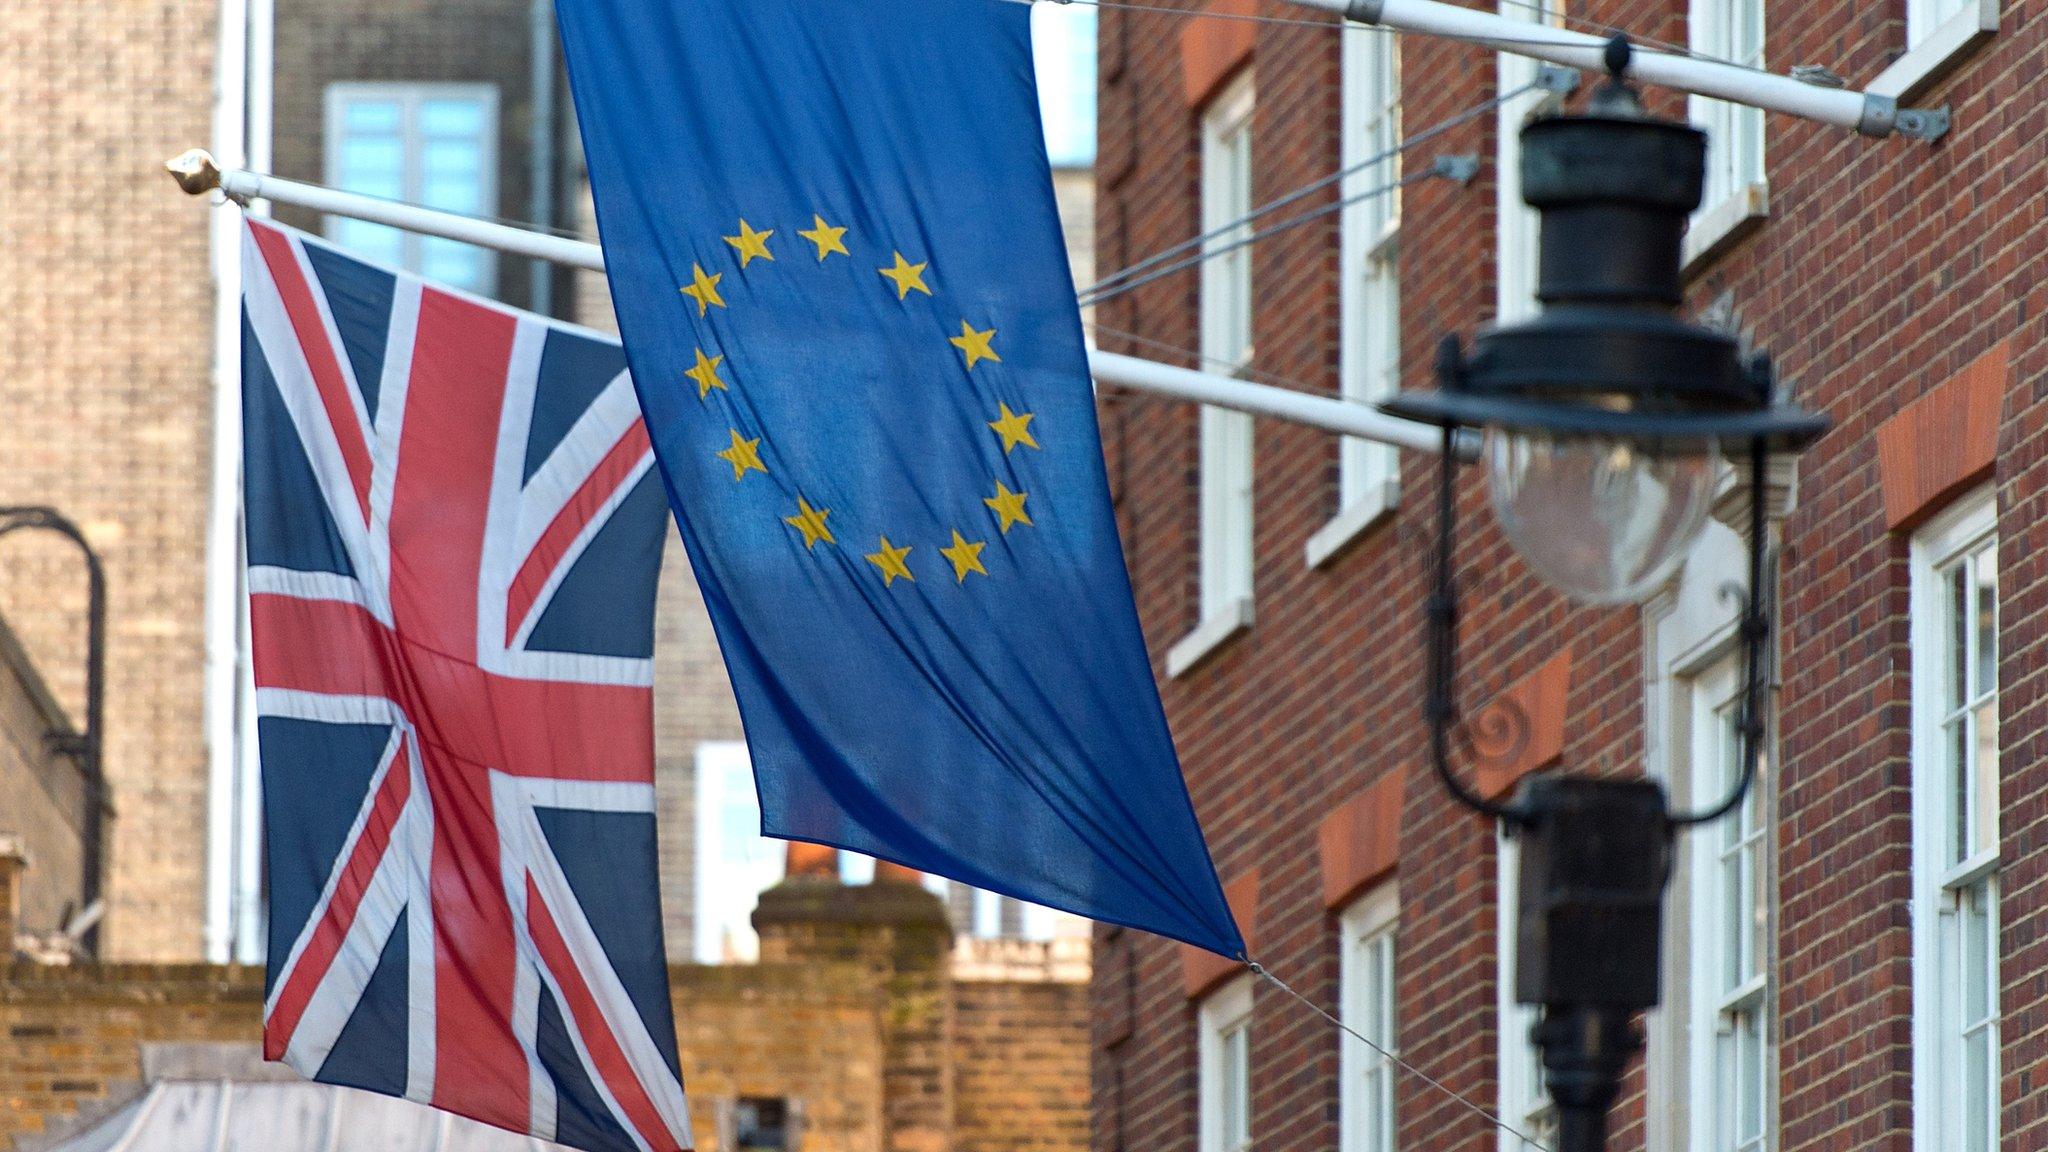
point(1877, 981)
point(105, 380)
point(46, 795)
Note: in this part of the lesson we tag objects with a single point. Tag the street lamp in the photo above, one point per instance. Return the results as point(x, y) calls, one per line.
point(1605, 418)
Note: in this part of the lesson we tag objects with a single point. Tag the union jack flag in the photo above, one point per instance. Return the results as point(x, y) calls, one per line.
point(453, 537)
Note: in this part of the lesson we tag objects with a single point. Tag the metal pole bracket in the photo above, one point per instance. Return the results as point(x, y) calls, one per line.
point(1928, 124)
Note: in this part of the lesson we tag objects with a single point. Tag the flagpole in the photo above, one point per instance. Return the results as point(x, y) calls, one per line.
point(1870, 113)
point(197, 174)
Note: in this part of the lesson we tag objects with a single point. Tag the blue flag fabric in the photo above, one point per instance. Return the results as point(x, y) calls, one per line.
point(837, 265)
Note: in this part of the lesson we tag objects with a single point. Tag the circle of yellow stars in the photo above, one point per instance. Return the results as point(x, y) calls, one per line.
point(1012, 428)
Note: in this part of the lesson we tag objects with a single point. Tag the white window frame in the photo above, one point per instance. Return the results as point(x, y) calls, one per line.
point(1737, 197)
point(1516, 226)
point(1720, 1011)
point(1369, 326)
point(1691, 634)
point(1368, 967)
point(1225, 546)
point(1225, 1023)
point(1523, 1103)
point(1941, 888)
point(1935, 45)
point(409, 95)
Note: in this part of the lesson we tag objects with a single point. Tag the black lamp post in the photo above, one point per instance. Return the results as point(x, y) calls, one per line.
point(87, 745)
point(1604, 419)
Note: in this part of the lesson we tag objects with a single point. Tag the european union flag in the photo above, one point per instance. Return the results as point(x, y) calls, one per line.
point(837, 266)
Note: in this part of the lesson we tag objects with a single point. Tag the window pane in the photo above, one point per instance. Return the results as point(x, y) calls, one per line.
point(1984, 566)
point(455, 264)
point(1925, 17)
point(373, 166)
point(452, 178)
point(1728, 756)
point(372, 241)
point(1958, 628)
point(1749, 1115)
point(1236, 1088)
point(1757, 924)
point(452, 118)
point(1976, 974)
point(1373, 1123)
point(422, 144)
point(1977, 1093)
point(1732, 914)
point(362, 117)
point(1956, 753)
point(451, 158)
point(1984, 779)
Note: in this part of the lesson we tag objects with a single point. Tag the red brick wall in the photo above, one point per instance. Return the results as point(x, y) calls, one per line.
point(1885, 268)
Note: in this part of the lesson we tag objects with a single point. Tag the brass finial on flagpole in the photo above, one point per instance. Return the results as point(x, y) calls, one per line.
point(194, 171)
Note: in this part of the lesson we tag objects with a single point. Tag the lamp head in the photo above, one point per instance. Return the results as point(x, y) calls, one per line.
point(1606, 413)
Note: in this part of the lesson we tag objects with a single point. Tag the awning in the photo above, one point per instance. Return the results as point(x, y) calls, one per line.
point(221, 1098)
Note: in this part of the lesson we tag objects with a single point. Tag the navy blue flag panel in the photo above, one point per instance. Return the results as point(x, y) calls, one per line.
point(835, 258)
point(453, 537)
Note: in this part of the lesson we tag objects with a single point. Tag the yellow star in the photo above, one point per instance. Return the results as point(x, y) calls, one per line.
point(706, 374)
point(1013, 427)
point(890, 561)
point(827, 238)
point(809, 521)
point(975, 345)
point(966, 557)
point(1009, 506)
point(906, 276)
point(750, 243)
point(703, 289)
point(744, 455)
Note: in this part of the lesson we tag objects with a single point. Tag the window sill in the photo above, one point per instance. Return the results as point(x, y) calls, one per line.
point(1970, 871)
point(1208, 636)
point(1937, 55)
point(1354, 521)
point(1717, 229)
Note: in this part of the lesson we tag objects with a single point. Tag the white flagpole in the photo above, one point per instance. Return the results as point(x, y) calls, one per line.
point(1870, 113)
point(224, 499)
point(196, 174)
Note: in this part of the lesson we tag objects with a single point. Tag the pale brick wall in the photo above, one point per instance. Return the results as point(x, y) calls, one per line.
point(857, 1020)
point(43, 805)
point(105, 361)
point(1020, 1053)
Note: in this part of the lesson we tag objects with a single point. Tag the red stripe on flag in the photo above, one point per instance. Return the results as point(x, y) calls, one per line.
point(447, 456)
point(312, 336)
point(340, 915)
point(329, 647)
point(556, 729)
point(570, 522)
point(606, 1056)
point(479, 1065)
